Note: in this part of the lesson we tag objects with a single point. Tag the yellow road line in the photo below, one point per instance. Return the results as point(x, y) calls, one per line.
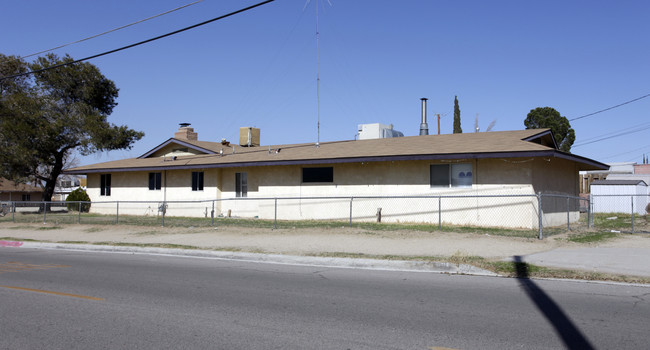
point(14, 266)
point(55, 293)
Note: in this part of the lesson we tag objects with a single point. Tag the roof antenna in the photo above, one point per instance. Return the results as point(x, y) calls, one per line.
point(317, 73)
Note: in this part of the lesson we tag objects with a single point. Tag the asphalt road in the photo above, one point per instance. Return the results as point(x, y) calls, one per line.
point(58, 299)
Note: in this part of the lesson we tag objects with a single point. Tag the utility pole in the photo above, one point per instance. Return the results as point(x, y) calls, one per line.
point(438, 115)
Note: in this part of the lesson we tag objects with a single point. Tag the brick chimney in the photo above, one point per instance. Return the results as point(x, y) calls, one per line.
point(186, 133)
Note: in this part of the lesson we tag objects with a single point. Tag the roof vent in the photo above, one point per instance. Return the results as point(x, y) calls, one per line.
point(424, 127)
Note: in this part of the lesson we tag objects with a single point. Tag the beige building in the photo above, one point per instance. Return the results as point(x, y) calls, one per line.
point(244, 179)
point(16, 192)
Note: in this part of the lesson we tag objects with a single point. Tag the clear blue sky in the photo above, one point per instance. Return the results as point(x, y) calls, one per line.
point(377, 59)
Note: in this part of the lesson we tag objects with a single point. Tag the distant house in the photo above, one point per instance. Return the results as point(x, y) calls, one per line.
point(65, 184)
point(12, 191)
point(489, 163)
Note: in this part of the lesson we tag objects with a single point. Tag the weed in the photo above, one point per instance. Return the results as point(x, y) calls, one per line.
point(46, 228)
point(17, 239)
point(592, 237)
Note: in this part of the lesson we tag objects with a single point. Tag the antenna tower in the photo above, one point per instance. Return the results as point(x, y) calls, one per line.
point(317, 79)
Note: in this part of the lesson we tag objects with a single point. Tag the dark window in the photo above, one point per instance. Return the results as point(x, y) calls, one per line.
point(451, 175)
point(318, 174)
point(154, 181)
point(197, 181)
point(105, 184)
point(27, 197)
point(241, 184)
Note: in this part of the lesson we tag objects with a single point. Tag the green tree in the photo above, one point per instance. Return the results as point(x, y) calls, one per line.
point(547, 117)
point(457, 128)
point(46, 117)
point(78, 195)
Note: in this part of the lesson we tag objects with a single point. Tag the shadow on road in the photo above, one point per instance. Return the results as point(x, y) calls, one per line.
point(570, 334)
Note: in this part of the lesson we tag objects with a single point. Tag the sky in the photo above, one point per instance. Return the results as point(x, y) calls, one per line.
point(375, 60)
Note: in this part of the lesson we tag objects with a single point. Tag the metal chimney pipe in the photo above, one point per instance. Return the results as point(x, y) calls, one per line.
point(424, 127)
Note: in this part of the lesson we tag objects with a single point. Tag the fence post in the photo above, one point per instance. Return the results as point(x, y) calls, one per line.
point(539, 215)
point(568, 218)
point(632, 200)
point(117, 212)
point(589, 212)
point(212, 214)
point(439, 213)
point(13, 212)
point(44, 212)
point(351, 198)
point(164, 209)
point(79, 219)
point(275, 215)
point(592, 205)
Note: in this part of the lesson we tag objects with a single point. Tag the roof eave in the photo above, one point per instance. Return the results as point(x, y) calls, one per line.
point(452, 156)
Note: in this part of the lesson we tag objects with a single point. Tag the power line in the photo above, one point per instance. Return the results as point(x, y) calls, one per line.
point(626, 152)
point(141, 42)
point(607, 109)
point(621, 131)
point(612, 136)
point(110, 31)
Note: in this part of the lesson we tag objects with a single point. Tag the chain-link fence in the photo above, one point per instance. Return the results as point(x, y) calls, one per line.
point(516, 214)
point(621, 212)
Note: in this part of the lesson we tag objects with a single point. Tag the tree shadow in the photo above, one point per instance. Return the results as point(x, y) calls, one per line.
point(568, 332)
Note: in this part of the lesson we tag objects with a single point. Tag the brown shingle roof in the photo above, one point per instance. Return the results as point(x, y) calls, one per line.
point(450, 146)
point(10, 186)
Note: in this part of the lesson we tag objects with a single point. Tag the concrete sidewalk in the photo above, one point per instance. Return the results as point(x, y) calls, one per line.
point(621, 261)
point(625, 255)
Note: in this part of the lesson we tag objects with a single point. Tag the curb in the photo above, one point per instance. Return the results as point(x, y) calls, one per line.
point(352, 263)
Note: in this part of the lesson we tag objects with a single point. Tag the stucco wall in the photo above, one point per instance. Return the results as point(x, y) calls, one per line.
point(134, 187)
point(491, 177)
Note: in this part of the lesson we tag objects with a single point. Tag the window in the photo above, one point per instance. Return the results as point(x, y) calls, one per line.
point(27, 197)
point(318, 174)
point(66, 183)
point(197, 181)
point(241, 184)
point(154, 181)
point(451, 175)
point(105, 184)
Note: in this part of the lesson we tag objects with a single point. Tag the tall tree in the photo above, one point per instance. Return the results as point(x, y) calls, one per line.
point(547, 117)
point(457, 128)
point(46, 117)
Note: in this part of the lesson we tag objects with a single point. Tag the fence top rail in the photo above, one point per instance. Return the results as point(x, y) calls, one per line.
point(307, 198)
point(621, 195)
point(563, 196)
point(158, 202)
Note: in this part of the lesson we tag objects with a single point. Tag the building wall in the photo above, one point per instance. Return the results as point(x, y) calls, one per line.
point(620, 198)
point(18, 196)
point(134, 187)
point(518, 178)
point(643, 169)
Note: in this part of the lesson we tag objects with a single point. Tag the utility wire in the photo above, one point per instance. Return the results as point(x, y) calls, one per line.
point(612, 136)
point(607, 109)
point(621, 131)
point(141, 42)
point(110, 31)
point(626, 152)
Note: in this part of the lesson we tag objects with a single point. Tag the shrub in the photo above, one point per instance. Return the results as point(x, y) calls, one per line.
point(78, 195)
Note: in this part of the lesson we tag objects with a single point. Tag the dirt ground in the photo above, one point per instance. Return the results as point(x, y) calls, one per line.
point(312, 241)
